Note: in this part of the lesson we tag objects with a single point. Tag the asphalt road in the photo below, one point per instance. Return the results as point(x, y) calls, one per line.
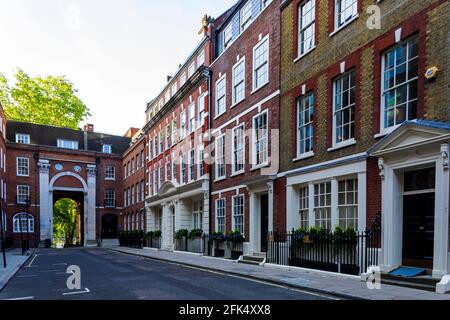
point(108, 275)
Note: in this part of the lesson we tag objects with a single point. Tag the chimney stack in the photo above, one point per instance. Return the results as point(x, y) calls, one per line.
point(89, 127)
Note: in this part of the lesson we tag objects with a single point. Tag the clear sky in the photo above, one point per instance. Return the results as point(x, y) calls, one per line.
point(118, 53)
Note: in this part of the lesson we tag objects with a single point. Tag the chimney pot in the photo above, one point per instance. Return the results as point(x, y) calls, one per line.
point(89, 127)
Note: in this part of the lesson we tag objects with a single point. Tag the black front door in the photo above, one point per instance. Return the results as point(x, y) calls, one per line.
point(109, 226)
point(418, 230)
point(264, 221)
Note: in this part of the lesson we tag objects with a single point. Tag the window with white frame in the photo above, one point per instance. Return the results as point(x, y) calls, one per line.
point(174, 167)
point(132, 166)
point(197, 213)
point(161, 175)
point(238, 82)
point(125, 204)
point(227, 35)
point(345, 11)
point(260, 135)
point(23, 223)
point(307, 31)
point(183, 124)
point(192, 165)
point(201, 111)
point(161, 142)
point(201, 161)
point(22, 138)
point(137, 193)
point(168, 167)
point(110, 198)
point(182, 79)
point(220, 215)
point(129, 196)
point(322, 205)
point(348, 204)
point(174, 88)
point(183, 168)
point(168, 133)
point(191, 120)
point(261, 64)
point(142, 220)
point(142, 158)
point(344, 108)
point(133, 221)
point(191, 69)
point(142, 190)
point(155, 181)
point(304, 207)
point(67, 144)
point(150, 150)
point(132, 195)
point(110, 173)
point(220, 157)
point(167, 96)
point(156, 146)
point(23, 194)
point(221, 97)
point(23, 167)
point(400, 75)
point(201, 59)
point(238, 149)
point(174, 132)
point(305, 124)
point(107, 148)
point(238, 213)
point(246, 15)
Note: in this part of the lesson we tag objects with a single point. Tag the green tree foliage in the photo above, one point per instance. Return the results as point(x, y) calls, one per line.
point(65, 219)
point(42, 100)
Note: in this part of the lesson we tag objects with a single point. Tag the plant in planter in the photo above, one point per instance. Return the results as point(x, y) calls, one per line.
point(195, 234)
point(235, 237)
point(217, 237)
point(157, 234)
point(181, 234)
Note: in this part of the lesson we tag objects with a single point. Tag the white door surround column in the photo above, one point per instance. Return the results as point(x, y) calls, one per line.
point(46, 207)
point(90, 235)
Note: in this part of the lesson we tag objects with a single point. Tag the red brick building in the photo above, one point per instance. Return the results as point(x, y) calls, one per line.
point(177, 121)
point(245, 121)
point(45, 164)
point(3, 171)
point(134, 184)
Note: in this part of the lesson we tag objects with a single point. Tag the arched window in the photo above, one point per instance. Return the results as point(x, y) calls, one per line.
point(20, 219)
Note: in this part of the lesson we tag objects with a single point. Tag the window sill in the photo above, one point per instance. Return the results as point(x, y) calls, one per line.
point(260, 166)
point(304, 54)
point(259, 88)
point(110, 179)
point(218, 116)
point(235, 174)
point(343, 145)
point(344, 25)
point(304, 156)
point(236, 103)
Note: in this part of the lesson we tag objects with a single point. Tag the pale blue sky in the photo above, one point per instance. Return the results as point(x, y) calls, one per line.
point(116, 52)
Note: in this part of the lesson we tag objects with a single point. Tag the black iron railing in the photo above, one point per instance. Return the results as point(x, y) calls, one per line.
point(348, 253)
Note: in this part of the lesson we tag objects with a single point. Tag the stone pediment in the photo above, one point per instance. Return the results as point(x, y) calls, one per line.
point(411, 135)
point(167, 188)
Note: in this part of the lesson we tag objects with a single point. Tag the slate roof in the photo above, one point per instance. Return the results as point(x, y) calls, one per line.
point(45, 135)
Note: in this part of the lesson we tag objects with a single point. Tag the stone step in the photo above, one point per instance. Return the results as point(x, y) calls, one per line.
point(250, 262)
point(108, 243)
point(421, 283)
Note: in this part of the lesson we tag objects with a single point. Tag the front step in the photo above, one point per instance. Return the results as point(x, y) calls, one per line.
point(110, 243)
point(422, 283)
point(253, 260)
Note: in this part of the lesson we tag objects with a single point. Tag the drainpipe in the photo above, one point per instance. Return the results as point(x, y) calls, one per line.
point(209, 77)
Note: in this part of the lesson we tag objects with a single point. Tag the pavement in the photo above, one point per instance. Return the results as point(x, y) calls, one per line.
point(14, 260)
point(108, 275)
point(345, 287)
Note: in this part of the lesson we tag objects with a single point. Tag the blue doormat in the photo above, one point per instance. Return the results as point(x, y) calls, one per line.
point(408, 272)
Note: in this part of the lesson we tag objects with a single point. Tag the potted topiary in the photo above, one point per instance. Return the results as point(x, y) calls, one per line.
point(195, 234)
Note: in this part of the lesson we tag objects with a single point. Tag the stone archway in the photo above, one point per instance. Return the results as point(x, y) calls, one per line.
point(48, 186)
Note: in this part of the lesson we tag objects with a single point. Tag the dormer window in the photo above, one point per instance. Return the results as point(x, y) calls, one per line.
point(227, 36)
point(107, 148)
point(22, 138)
point(246, 15)
point(67, 144)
